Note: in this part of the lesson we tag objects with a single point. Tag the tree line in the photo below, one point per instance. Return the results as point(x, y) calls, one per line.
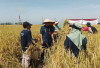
point(10, 23)
point(18, 23)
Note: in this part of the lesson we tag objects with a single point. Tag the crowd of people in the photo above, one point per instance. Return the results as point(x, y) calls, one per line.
point(75, 41)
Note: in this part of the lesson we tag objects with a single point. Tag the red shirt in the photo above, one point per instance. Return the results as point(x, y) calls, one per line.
point(85, 28)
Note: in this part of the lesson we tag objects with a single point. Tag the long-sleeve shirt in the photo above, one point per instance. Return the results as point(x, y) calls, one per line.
point(46, 34)
point(87, 29)
point(26, 39)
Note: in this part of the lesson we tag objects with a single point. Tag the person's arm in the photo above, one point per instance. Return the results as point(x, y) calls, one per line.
point(90, 30)
point(41, 35)
point(84, 42)
point(52, 33)
point(52, 38)
point(84, 47)
point(29, 37)
point(70, 28)
point(41, 38)
point(22, 41)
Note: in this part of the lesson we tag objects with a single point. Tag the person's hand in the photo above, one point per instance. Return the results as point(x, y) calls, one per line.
point(41, 41)
point(70, 28)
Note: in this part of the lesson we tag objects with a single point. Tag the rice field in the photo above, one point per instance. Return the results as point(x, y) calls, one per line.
point(10, 49)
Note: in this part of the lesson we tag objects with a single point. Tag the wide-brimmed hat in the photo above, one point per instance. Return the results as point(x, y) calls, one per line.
point(47, 21)
point(56, 22)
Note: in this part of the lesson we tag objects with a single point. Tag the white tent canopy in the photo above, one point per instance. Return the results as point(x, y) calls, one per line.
point(84, 21)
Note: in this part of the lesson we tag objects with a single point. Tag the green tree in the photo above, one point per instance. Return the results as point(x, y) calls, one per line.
point(18, 23)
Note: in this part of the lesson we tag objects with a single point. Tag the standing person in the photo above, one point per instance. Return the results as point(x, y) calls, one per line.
point(75, 41)
point(90, 28)
point(46, 33)
point(57, 28)
point(52, 28)
point(26, 40)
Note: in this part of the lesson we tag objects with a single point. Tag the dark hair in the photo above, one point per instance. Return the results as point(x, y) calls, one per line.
point(25, 24)
point(88, 24)
point(73, 26)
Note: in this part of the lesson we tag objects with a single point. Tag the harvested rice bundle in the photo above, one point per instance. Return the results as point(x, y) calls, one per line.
point(34, 51)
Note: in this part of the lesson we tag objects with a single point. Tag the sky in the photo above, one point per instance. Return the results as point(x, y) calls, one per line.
point(34, 11)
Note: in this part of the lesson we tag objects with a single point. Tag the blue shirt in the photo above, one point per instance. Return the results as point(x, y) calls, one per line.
point(46, 34)
point(25, 39)
point(68, 44)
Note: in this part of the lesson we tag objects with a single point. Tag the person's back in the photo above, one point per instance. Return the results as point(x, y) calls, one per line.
point(85, 28)
point(94, 30)
point(68, 44)
point(75, 41)
point(25, 39)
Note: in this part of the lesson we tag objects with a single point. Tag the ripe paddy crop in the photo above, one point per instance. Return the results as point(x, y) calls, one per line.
point(10, 49)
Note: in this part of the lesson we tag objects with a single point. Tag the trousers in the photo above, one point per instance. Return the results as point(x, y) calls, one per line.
point(25, 60)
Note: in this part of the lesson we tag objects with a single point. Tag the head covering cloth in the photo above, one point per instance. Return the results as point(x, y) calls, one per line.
point(76, 35)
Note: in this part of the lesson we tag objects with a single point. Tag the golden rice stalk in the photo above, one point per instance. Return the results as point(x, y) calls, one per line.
point(34, 52)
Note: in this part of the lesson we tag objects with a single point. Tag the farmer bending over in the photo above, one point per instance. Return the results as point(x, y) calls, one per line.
point(75, 41)
point(90, 28)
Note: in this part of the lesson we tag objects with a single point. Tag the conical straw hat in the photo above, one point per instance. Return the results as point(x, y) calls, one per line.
point(48, 21)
